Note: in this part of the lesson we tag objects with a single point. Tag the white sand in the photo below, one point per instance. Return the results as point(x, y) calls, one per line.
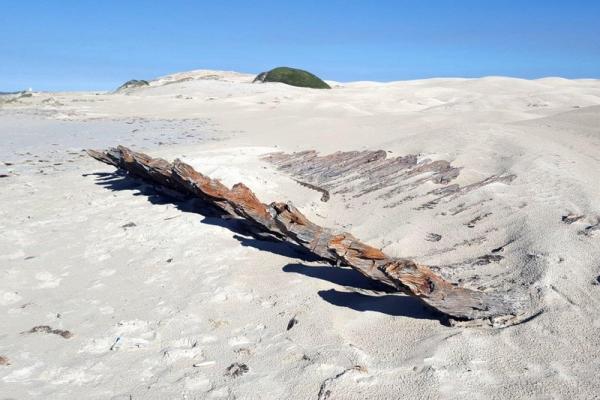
point(161, 308)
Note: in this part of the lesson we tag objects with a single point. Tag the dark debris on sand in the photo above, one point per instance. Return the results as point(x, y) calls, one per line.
point(46, 329)
point(236, 369)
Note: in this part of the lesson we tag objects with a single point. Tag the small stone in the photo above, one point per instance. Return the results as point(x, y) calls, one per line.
point(570, 218)
point(433, 237)
point(46, 329)
point(292, 323)
point(236, 369)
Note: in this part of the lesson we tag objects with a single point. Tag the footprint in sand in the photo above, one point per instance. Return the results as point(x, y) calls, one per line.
point(67, 376)
point(238, 341)
point(107, 310)
point(186, 348)
point(129, 335)
point(107, 272)
point(197, 383)
point(22, 374)
point(208, 339)
point(222, 294)
point(47, 280)
point(8, 298)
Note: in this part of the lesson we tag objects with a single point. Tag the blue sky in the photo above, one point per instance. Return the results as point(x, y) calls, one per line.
point(96, 45)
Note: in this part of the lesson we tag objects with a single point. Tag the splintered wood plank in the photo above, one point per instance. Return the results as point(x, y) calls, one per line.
point(283, 221)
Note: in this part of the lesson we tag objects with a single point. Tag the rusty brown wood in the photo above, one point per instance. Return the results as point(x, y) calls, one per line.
point(286, 222)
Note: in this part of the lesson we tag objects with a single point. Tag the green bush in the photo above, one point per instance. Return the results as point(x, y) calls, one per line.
point(293, 77)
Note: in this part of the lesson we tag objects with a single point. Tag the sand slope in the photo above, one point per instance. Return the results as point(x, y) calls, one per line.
point(161, 300)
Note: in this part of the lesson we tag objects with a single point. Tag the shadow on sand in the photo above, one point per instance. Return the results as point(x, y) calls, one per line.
point(246, 234)
point(396, 304)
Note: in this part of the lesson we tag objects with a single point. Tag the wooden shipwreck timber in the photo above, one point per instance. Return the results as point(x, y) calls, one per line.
point(285, 222)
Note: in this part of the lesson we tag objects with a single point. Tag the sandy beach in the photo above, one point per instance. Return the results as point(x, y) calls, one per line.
point(110, 290)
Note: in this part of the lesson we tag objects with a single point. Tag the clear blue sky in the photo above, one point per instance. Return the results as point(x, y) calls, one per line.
point(93, 45)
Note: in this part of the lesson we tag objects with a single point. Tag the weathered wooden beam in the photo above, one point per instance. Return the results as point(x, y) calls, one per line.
point(285, 222)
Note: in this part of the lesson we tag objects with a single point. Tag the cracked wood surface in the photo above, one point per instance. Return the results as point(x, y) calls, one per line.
point(285, 222)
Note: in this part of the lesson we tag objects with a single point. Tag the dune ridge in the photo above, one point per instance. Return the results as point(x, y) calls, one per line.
point(142, 284)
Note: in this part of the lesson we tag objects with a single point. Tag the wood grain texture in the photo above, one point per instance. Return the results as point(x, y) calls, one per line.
point(286, 222)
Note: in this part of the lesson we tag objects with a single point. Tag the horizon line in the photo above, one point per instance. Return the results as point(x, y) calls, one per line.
point(31, 89)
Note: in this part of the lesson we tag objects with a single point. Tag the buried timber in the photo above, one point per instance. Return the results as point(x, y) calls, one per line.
point(282, 221)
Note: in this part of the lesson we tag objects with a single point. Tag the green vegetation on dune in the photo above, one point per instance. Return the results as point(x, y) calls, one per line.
point(293, 77)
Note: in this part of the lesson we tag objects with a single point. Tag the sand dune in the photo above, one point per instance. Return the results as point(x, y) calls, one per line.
point(162, 302)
